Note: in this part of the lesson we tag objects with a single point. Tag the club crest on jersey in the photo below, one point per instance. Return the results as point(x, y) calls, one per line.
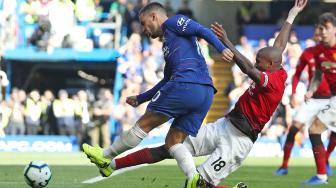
point(180, 21)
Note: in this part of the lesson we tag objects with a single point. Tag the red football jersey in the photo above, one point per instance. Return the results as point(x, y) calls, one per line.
point(260, 101)
point(326, 61)
point(308, 58)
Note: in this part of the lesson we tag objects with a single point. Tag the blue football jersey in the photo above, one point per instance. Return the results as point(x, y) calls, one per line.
point(182, 53)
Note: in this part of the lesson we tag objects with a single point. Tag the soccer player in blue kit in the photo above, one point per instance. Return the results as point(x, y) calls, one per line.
point(185, 93)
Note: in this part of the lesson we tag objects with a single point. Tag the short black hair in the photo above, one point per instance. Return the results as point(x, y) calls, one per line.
point(327, 17)
point(154, 6)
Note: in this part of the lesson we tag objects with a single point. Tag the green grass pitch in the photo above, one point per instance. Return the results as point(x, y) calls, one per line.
point(70, 170)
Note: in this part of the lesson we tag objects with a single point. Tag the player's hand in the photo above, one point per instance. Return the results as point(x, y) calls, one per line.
point(227, 55)
point(298, 7)
point(308, 95)
point(219, 31)
point(132, 101)
point(292, 100)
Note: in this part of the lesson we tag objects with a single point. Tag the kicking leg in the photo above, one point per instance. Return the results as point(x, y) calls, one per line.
point(198, 146)
point(127, 140)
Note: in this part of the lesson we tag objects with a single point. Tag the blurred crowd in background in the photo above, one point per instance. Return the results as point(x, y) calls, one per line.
point(53, 24)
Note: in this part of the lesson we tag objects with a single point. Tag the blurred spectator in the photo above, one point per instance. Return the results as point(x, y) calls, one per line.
point(131, 56)
point(5, 113)
point(33, 112)
point(64, 110)
point(236, 93)
point(30, 9)
point(86, 10)
point(3, 83)
point(130, 18)
point(245, 13)
point(16, 121)
point(41, 35)
point(8, 25)
point(261, 44)
point(206, 54)
point(62, 20)
point(169, 8)
point(48, 120)
point(140, 4)
point(260, 17)
point(102, 111)
point(245, 48)
point(118, 6)
point(83, 108)
point(186, 10)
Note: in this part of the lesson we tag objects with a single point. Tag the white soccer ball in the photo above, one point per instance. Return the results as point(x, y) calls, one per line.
point(37, 174)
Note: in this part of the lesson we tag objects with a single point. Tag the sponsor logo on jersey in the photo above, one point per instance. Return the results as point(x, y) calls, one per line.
point(328, 64)
point(185, 25)
point(165, 51)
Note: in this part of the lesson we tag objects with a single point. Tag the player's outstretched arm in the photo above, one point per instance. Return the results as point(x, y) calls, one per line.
point(184, 26)
point(146, 96)
point(243, 63)
point(282, 38)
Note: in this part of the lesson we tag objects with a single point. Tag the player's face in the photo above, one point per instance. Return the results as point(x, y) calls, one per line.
point(262, 63)
point(328, 32)
point(150, 25)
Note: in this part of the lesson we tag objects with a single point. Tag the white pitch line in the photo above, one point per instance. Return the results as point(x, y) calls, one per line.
point(115, 173)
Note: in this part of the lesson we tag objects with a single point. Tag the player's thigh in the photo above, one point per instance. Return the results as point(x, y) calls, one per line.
point(206, 140)
point(228, 155)
point(327, 115)
point(190, 123)
point(308, 110)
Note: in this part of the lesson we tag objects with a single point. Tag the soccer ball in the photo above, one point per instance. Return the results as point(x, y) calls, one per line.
point(37, 174)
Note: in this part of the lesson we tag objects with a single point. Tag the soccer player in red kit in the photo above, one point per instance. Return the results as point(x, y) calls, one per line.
point(229, 140)
point(326, 118)
point(310, 109)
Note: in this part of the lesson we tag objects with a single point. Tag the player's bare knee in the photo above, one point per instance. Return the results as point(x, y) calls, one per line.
point(174, 137)
point(298, 125)
point(151, 120)
point(317, 127)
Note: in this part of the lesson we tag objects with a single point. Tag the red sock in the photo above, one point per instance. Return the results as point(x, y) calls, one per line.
point(331, 145)
point(287, 152)
point(139, 157)
point(289, 145)
point(319, 153)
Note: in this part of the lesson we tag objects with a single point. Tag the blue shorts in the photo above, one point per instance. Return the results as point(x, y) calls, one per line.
point(187, 103)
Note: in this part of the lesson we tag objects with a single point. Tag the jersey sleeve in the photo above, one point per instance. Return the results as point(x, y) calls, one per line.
point(264, 79)
point(272, 80)
point(182, 25)
point(148, 95)
point(299, 68)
